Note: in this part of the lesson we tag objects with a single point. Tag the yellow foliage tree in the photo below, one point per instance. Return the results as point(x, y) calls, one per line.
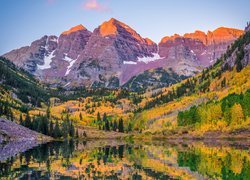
point(237, 114)
point(216, 112)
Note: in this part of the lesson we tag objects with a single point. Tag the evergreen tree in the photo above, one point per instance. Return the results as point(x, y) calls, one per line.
point(80, 116)
point(48, 112)
point(115, 126)
point(84, 134)
point(21, 119)
point(51, 128)
point(77, 133)
point(27, 121)
point(104, 118)
point(107, 128)
point(129, 127)
point(65, 129)
point(11, 115)
point(71, 130)
point(57, 132)
point(120, 125)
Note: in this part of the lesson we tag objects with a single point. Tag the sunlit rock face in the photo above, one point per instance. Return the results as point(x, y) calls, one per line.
point(113, 53)
point(111, 45)
point(191, 52)
point(50, 57)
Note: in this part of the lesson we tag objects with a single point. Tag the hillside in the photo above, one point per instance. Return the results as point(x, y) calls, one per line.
point(211, 89)
point(10, 131)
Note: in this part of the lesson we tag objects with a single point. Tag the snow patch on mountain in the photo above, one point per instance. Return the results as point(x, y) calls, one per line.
point(47, 61)
point(147, 59)
point(129, 62)
point(71, 63)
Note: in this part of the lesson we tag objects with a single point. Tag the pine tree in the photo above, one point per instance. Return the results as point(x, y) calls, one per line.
point(27, 121)
point(84, 134)
point(21, 119)
point(11, 115)
point(57, 132)
point(71, 130)
point(80, 116)
point(51, 128)
point(48, 112)
point(77, 133)
point(129, 127)
point(107, 128)
point(104, 118)
point(115, 126)
point(120, 125)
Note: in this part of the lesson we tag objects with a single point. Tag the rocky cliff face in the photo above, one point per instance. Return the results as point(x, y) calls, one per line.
point(112, 45)
point(191, 52)
point(114, 53)
point(50, 58)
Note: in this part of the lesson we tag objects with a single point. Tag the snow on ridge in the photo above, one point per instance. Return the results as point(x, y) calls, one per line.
point(147, 59)
point(53, 39)
point(47, 61)
point(66, 58)
point(129, 62)
point(71, 63)
point(69, 67)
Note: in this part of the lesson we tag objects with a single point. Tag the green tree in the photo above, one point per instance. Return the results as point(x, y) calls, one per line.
point(115, 126)
point(27, 121)
point(129, 127)
point(57, 132)
point(51, 128)
point(98, 120)
point(120, 125)
point(80, 116)
point(107, 128)
point(72, 130)
point(21, 119)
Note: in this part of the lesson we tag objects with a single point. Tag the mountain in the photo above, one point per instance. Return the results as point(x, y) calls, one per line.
point(51, 57)
point(112, 45)
point(192, 52)
point(114, 53)
point(213, 104)
point(166, 107)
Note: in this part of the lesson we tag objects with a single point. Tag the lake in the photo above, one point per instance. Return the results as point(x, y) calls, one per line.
point(135, 160)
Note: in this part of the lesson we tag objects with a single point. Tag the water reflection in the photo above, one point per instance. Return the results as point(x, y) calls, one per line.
point(119, 160)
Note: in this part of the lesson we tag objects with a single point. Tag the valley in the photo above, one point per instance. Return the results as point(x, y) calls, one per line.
point(108, 103)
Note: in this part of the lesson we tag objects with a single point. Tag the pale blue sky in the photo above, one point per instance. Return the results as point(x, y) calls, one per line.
point(23, 21)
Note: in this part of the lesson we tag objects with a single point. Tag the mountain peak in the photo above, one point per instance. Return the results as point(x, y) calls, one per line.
point(167, 38)
point(74, 29)
point(228, 31)
point(110, 27)
point(149, 41)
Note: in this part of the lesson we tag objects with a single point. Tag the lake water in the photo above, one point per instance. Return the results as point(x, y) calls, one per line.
point(121, 160)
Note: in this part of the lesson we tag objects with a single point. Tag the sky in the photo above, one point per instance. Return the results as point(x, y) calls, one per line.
point(23, 21)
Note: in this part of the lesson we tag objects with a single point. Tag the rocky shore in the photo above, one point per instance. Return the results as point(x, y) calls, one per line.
point(15, 139)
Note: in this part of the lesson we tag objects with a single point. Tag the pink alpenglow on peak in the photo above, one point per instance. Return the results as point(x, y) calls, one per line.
point(74, 29)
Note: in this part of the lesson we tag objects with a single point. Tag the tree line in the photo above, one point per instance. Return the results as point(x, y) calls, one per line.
point(46, 125)
point(232, 110)
point(108, 125)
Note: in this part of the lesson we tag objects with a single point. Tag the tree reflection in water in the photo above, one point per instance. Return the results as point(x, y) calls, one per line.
point(90, 160)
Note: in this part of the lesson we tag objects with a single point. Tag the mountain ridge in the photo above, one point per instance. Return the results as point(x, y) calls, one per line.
point(114, 52)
